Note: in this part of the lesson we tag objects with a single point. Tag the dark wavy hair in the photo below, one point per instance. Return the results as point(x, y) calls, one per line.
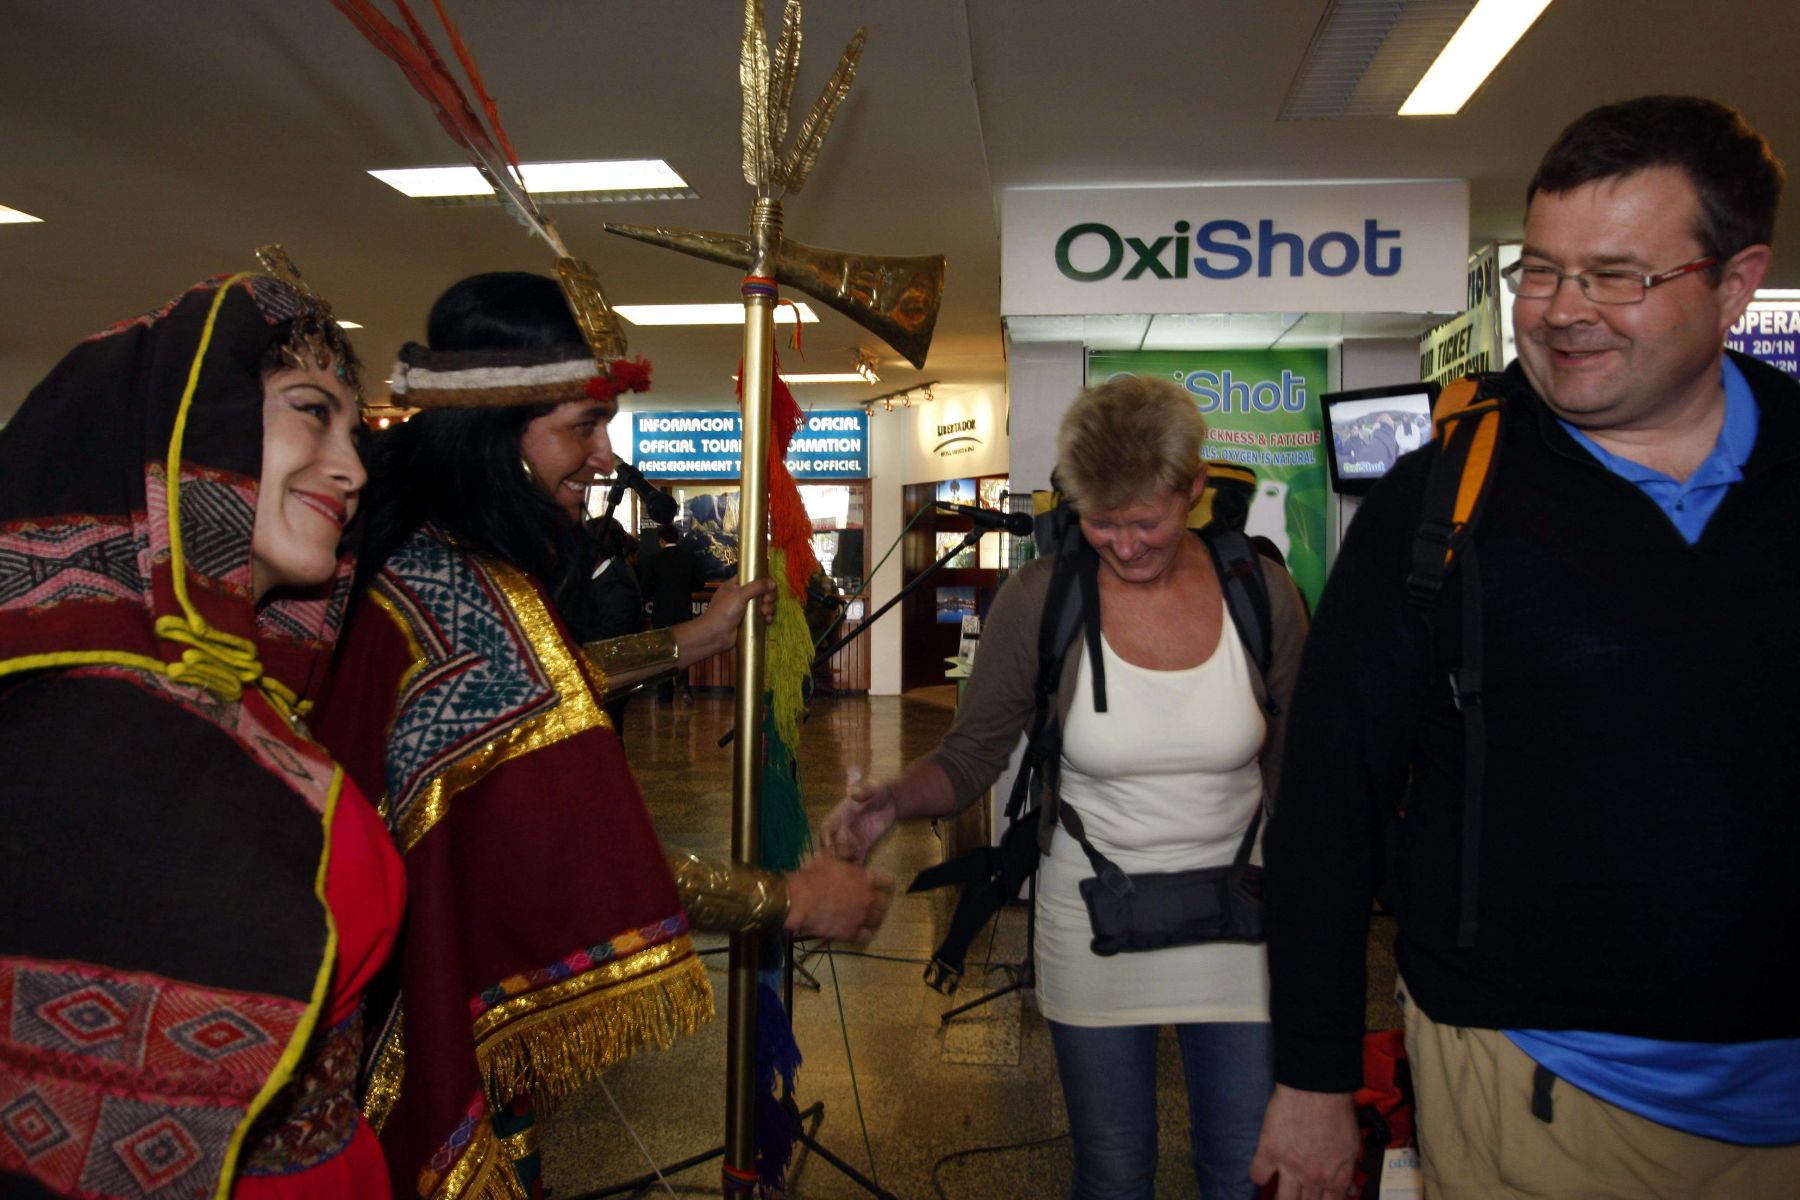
point(460, 468)
point(1736, 175)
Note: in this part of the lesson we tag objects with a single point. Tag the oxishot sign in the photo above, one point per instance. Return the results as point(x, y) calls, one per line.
point(1262, 412)
point(1352, 247)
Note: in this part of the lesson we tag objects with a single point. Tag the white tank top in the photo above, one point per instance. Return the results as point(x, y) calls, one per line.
point(1165, 780)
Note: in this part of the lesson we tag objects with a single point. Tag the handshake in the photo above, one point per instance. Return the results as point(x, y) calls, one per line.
point(834, 895)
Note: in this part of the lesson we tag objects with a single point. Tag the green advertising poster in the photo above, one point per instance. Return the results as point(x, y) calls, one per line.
point(1262, 412)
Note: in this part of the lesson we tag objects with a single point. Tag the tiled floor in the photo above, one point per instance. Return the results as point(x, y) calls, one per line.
point(934, 1099)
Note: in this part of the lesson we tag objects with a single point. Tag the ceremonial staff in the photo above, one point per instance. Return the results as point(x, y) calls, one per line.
point(895, 298)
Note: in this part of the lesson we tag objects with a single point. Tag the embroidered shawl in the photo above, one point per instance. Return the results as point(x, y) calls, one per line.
point(545, 940)
point(164, 941)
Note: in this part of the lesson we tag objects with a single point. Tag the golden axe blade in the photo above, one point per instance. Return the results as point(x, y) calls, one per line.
point(896, 299)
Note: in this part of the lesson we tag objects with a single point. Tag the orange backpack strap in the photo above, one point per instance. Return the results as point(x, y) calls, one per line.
point(1467, 429)
point(1468, 419)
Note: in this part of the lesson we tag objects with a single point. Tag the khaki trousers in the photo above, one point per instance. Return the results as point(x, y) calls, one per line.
point(1479, 1139)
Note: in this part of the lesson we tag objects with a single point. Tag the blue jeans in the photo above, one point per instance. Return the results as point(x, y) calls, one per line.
point(1109, 1085)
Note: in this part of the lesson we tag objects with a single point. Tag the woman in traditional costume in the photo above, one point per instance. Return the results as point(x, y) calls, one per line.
point(547, 934)
point(192, 895)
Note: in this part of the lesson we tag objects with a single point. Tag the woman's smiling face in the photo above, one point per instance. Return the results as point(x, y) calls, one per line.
point(566, 447)
point(312, 477)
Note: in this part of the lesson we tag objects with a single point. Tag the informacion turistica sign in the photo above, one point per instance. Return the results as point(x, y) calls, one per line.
point(1769, 330)
point(710, 445)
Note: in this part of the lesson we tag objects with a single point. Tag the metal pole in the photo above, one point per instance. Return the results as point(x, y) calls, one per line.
point(747, 782)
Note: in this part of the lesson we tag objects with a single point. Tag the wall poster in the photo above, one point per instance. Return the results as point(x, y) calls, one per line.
point(1262, 412)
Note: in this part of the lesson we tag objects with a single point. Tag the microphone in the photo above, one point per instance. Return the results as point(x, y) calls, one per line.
point(1017, 524)
point(659, 506)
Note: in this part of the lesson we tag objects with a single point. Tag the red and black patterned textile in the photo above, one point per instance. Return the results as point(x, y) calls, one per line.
point(545, 940)
point(164, 942)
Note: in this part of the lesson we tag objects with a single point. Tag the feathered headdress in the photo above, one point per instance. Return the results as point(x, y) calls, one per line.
point(427, 378)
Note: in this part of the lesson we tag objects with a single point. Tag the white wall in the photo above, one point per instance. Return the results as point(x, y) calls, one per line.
point(1042, 380)
point(889, 447)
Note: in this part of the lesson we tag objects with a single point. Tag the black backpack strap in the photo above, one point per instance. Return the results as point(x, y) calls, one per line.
point(1246, 591)
point(1468, 420)
point(1058, 626)
point(1108, 872)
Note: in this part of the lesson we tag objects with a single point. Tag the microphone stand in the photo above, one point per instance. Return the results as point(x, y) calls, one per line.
point(968, 539)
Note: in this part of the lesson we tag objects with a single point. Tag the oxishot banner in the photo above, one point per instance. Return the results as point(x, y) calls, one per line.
point(1262, 412)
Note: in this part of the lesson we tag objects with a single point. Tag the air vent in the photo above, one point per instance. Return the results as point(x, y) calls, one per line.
point(1367, 56)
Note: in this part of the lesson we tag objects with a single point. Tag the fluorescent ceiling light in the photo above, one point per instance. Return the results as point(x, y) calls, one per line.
point(348, 325)
point(541, 179)
point(706, 314)
point(1485, 37)
point(12, 216)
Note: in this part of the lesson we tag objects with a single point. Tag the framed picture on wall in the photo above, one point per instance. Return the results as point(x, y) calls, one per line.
point(955, 603)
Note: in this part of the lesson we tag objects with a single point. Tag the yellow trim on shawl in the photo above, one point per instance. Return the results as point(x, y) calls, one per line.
point(296, 1047)
point(387, 1076)
point(220, 662)
point(484, 1172)
point(576, 710)
point(553, 1040)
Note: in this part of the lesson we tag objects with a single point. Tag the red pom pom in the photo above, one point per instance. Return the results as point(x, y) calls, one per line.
point(620, 375)
point(630, 374)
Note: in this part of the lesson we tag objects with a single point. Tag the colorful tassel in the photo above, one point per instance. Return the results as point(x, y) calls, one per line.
point(777, 1056)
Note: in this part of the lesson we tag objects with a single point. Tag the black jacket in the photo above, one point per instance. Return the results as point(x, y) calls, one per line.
point(1641, 840)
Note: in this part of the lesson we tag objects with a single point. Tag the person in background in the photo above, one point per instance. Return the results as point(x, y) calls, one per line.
point(547, 936)
point(611, 605)
point(193, 898)
point(1169, 760)
point(1596, 960)
point(670, 580)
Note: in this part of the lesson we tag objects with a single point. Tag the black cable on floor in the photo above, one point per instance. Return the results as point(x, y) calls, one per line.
point(937, 1184)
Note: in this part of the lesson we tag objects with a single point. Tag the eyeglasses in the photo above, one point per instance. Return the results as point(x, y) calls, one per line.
point(1535, 282)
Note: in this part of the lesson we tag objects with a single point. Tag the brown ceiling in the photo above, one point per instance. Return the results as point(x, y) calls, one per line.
point(162, 139)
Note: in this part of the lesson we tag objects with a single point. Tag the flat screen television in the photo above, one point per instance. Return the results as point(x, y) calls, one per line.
point(1367, 429)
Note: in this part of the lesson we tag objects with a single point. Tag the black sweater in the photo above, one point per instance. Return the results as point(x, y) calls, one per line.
point(1640, 851)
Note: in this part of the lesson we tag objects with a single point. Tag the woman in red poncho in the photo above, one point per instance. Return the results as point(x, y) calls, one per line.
point(192, 895)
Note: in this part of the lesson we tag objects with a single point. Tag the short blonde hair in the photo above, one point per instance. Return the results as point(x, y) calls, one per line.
point(1125, 439)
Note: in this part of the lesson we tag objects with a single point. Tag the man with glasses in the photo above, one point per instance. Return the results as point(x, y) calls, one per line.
point(1617, 1013)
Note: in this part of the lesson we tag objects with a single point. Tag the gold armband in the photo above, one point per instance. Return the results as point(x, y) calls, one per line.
point(728, 897)
point(654, 649)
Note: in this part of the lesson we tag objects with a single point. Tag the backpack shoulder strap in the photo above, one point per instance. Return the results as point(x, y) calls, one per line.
point(1469, 417)
point(1467, 421)
point(1246, 591)
point(1069, 598)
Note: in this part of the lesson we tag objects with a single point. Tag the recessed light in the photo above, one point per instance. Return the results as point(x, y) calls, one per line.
point(1474, 50)
point(542, 179)
point(706, 314)
point(12, 216)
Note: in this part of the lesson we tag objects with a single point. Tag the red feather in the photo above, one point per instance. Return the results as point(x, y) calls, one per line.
point(487, 102)
point(424, 69)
